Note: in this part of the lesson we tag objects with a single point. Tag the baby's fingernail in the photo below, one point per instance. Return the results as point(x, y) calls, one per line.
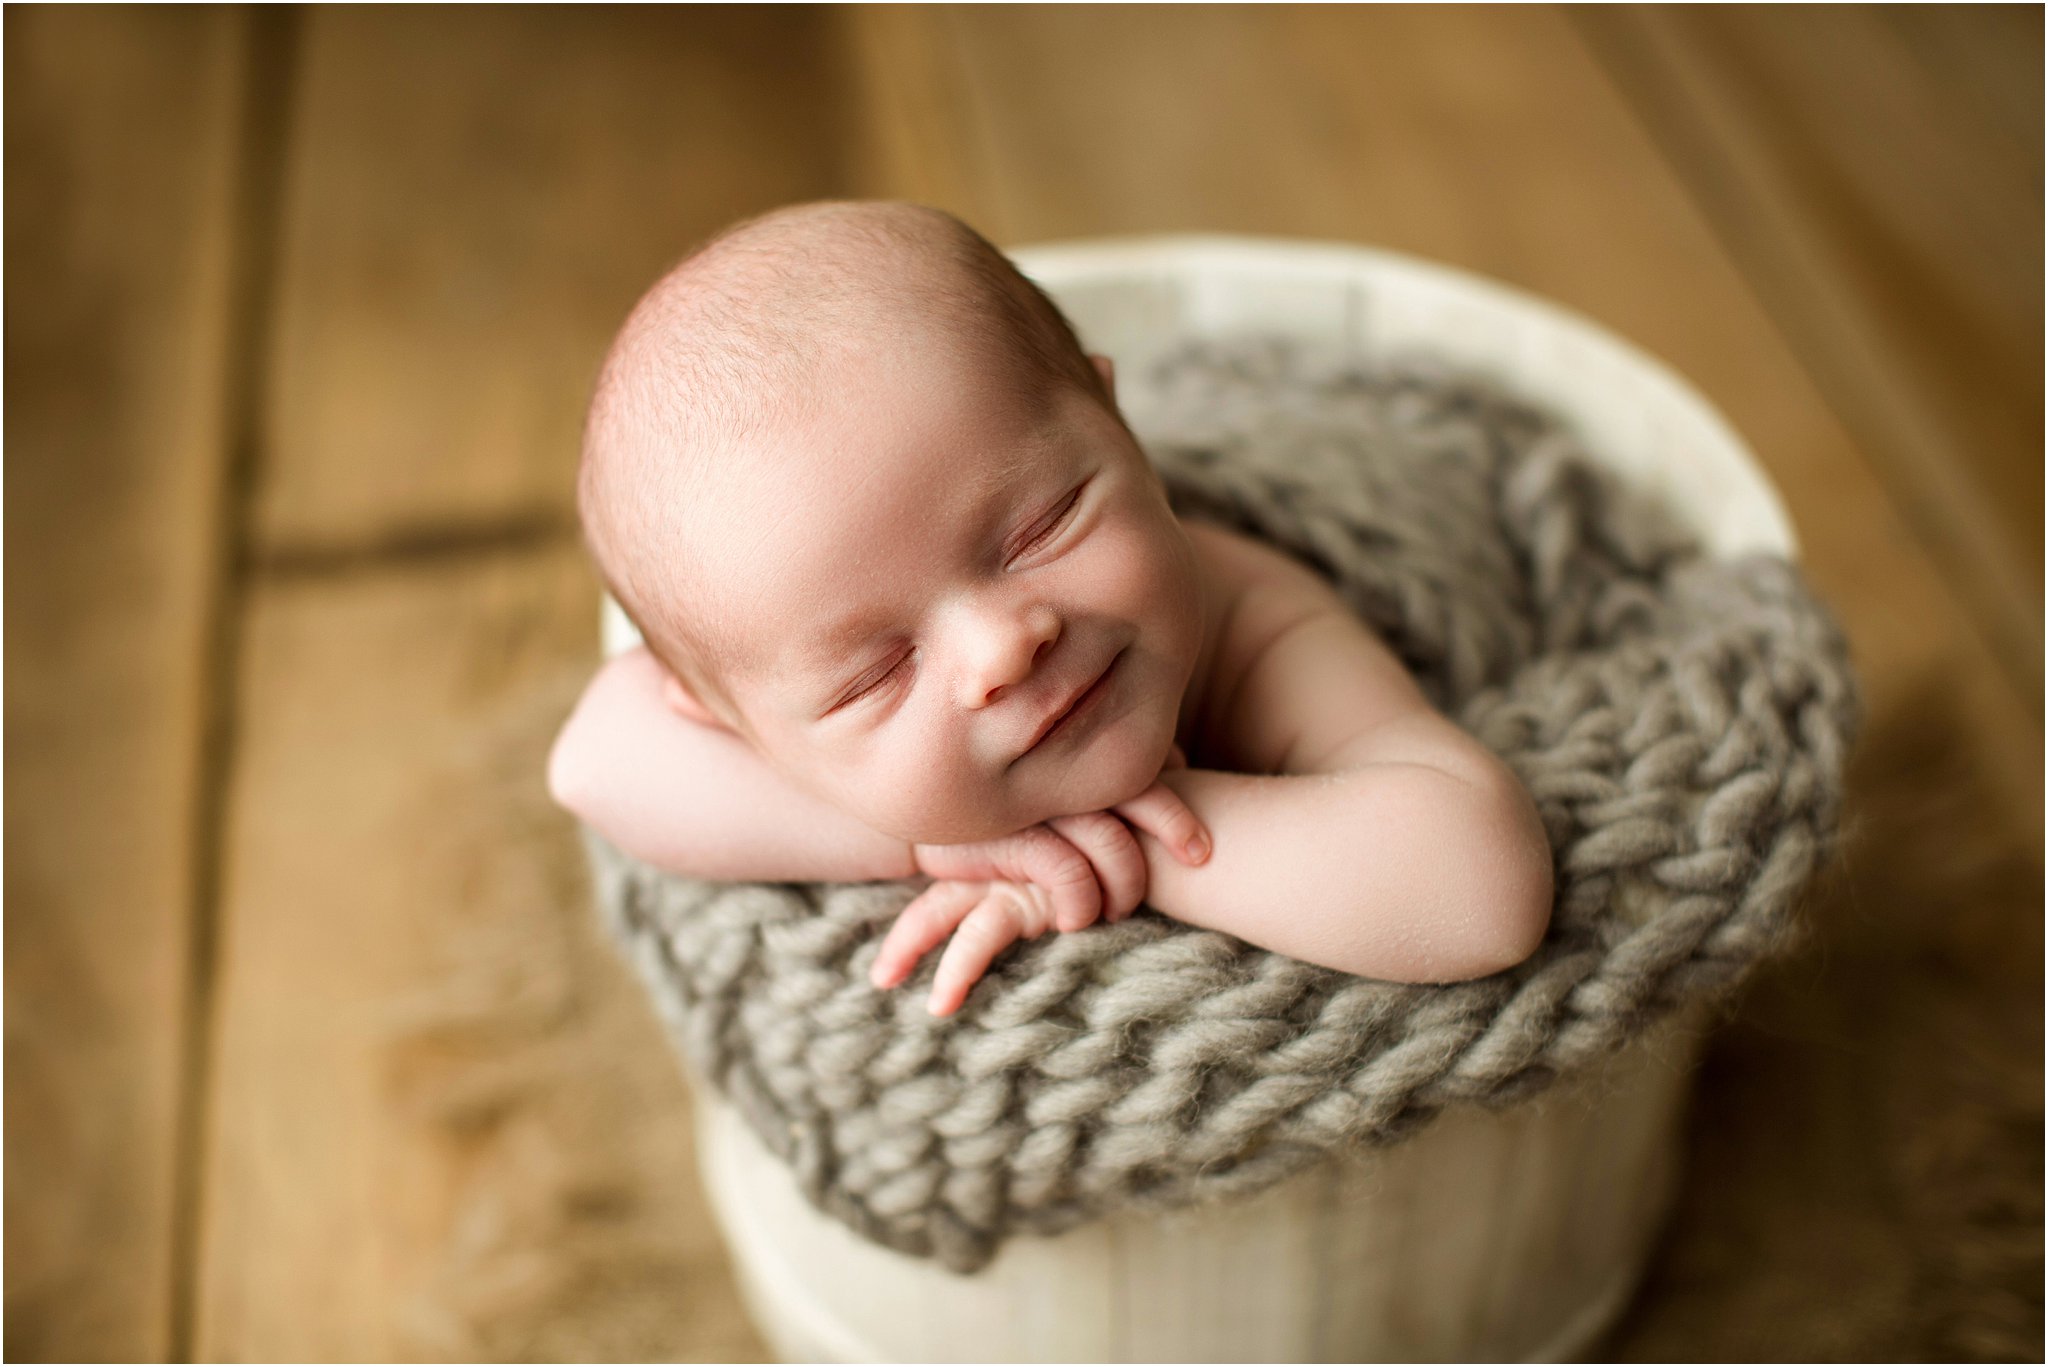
point(1198, 848)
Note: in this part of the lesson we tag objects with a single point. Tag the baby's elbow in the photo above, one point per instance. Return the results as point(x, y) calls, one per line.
point(1524, 917)
point(1506, 934)
point(1519, 889)
point(568, 784)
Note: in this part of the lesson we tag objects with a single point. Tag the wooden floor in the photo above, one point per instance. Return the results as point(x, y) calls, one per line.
point(313, 1051)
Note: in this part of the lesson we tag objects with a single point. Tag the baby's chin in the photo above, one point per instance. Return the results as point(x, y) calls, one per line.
point(1106, 774)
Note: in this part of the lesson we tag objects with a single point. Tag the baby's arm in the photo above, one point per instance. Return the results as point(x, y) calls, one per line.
point(1376, 838)
point(698, 801)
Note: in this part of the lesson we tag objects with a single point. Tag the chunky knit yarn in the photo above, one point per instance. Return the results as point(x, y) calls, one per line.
point(1680, 720)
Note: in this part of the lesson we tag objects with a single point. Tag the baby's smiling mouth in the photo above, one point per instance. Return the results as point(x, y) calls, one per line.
point(1076, 708)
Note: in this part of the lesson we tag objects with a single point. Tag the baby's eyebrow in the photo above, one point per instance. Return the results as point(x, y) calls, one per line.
point(829, 645)
point(826, 647)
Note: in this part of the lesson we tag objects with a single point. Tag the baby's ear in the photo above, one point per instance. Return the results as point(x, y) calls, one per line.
point(684, 702)
point(1106, 368)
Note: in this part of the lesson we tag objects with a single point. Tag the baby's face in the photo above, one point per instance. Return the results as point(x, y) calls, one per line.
point(922, 572)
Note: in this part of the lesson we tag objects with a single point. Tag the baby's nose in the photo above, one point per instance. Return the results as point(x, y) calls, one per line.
point(1007, 652)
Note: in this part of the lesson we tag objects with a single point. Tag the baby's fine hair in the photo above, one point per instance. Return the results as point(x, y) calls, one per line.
point(740, 329)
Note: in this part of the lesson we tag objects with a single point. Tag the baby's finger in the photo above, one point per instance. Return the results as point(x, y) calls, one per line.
point(1037, 855)
point(1047, 860)
point(973, 861)
point(1113, 850)
point(969, 863)
point(989, 929)
point(1160, 813)
point(920, 927)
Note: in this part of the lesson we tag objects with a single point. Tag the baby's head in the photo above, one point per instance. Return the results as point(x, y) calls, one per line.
point(868, 502)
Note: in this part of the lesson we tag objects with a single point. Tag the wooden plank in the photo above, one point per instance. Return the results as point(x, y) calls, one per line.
point(417, 1162)
point(478, 195)
point(123, 129)
point(447, 1125)
point(1876, 170)
point(1489, 138)
point(1485, 138)
point(905, 106)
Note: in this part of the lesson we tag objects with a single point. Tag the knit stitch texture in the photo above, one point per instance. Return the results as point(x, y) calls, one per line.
point(1681, 721)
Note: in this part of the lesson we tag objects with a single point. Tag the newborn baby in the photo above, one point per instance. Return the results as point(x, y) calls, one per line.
point(915, 605)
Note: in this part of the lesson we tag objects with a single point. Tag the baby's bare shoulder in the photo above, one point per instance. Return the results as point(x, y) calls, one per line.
point(1267, 588)
point(1302, 684)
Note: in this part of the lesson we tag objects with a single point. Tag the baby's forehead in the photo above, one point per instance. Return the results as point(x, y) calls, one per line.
point(812, 555)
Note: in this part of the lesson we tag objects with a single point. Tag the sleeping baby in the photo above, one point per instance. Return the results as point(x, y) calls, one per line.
point(915, 606)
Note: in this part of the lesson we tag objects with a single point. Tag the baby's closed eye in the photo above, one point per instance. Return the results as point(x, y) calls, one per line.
point(874, 681)
point(1046, 528)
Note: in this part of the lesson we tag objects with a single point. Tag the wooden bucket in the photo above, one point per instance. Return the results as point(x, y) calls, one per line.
point(1510, 1235)
point(1490, 1236)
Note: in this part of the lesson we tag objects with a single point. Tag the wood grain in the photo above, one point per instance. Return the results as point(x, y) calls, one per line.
point(122, 134)
point(441, 1121)
point(473, 208)
point(446, 1126)
point(477, 197)
point(1451, 124)
point(1491, 139)
point(1876, 170)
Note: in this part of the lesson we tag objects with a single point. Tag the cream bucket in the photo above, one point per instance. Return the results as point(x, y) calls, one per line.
point(1511, 1235)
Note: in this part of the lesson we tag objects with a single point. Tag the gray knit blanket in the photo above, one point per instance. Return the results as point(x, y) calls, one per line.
point(1680, 720)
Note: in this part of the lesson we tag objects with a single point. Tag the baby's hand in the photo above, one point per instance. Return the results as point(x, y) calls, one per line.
point(1061, 874)
point(991, 916)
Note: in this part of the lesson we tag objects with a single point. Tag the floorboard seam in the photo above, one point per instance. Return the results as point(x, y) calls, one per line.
point(269, 47)
point(420, 544)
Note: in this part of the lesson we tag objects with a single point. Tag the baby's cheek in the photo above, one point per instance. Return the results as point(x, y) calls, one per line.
point(1175, 595)
point(929, 804)
point(1151, 571)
